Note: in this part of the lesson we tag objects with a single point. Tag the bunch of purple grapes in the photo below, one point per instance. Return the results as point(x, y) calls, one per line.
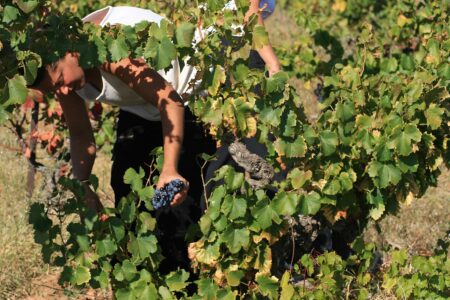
point(164, 195)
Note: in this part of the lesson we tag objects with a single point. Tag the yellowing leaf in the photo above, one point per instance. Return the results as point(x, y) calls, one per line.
point(434, 116)
point(339, 5)
point(251, 127)
point(409, 199)
point(264, 260)
point(402, 20)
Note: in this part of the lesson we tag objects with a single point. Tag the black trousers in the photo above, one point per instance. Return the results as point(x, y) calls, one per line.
point(136, 138)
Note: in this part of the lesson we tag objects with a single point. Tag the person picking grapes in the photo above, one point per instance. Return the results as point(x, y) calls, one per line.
point(152, 114)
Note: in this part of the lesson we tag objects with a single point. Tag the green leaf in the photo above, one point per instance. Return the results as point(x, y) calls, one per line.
point(407, 62)
point(151, 48)
point(389, 65)
point(105, 247)
point(328, 141)
point(146, 222)
point(118, 49)
point(221, 223)
point(102, 279)
point(234, 277)
point(205, 223)
point(299, 177)
point(129, 270)
point(207, 289)
point(215, 200)
point(38, 218)
point(285, 204)
point(271, 116)
point(234, 207)
point(346, 180)
point(17, 90)
point(402, 140)
point(378, 207)
point(263, 213)
point(310, 204)
point(260, 37)
point(30, 71)
point(124, 294)
point(234, 180)
point(145, 292)
point(434, 116)
point(142, 246)
point(268, 286)
point(27, 6)
point(10, 14)
point(444, 71)
point(3, 115)
point(277, 82)
point(287, 290)
point(117, 228)
point(364, 121)
point(384, 174)
point(345, 111)
point(291, 149)
point(332, 187)
point(176, 281)
point(240, 72)
point(219, 78)
point(134, 179)
point(226, 294)
point(81, 275)
point(165, 54)
point(185, 34)
point(235, 239)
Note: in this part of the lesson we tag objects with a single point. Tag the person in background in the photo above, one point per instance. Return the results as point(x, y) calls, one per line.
point(266, 55)
point(262, 58)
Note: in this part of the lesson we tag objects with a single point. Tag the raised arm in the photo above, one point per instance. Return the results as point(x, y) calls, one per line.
point(153, 88)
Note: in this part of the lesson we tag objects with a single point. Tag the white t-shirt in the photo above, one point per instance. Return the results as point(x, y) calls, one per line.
point(116, 92)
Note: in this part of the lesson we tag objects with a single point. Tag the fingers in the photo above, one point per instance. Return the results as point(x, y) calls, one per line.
point(179, 197)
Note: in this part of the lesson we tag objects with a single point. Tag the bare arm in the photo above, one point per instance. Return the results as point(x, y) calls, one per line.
point(82, 144)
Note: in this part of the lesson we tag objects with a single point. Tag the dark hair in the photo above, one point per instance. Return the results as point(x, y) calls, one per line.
point(40, 75)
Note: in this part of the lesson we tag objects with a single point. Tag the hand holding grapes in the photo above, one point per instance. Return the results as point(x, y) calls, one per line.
point(171, 187)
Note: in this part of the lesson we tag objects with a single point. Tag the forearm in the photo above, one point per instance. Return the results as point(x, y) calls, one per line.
point(82, 151)
point(172, 118)
point(270, 58)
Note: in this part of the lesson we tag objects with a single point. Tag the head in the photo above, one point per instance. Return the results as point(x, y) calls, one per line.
point(61, 77)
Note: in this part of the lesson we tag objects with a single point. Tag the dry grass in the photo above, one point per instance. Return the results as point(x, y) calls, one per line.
point(417, 227)
point(19, 255)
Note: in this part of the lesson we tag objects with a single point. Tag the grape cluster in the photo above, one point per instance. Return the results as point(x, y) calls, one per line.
point(318, 91)
point(164, 195)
